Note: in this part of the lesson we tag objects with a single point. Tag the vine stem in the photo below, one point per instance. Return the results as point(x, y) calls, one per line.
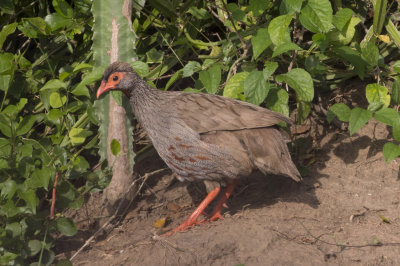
point(53, 199)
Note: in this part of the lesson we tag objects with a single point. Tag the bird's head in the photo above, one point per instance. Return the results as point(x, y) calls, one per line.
point(118, 76)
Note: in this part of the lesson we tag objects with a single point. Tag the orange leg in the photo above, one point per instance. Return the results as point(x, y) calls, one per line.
point(192, 220)
point(216, 213)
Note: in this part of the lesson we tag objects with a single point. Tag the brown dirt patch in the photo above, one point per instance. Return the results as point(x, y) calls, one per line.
point(334, 216)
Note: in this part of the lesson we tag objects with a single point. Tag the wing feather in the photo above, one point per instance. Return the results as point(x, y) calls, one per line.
point(206, 112)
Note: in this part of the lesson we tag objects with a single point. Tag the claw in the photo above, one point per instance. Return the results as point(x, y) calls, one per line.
point(215, 214)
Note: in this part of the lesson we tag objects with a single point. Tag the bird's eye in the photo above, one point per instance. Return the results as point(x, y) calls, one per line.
point(115, 78)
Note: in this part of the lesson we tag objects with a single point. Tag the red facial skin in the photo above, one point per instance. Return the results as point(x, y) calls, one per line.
point(111, 83)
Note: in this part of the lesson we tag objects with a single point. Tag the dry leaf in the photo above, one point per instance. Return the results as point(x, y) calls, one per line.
point(173, 207)
point(160, 223)
point(384, 38)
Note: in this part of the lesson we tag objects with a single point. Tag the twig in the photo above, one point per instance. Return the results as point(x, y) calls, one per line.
point(378, 244)
point(145, 177)
point(53, 199)
point(235, 64)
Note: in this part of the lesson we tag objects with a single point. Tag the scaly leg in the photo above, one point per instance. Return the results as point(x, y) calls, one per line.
point(192, 220)
point(216, 213)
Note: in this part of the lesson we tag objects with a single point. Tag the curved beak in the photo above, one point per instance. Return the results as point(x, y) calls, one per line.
point(104, 87)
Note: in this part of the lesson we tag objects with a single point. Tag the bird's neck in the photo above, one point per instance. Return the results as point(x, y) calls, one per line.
point(145, 101)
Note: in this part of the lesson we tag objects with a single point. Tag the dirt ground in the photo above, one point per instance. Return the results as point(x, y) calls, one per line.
point(346, 211)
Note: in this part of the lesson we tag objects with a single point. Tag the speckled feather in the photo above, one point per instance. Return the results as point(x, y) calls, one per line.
point(207, 137)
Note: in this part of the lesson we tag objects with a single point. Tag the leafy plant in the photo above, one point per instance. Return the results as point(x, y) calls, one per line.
point(377, 94)
point(46, 122)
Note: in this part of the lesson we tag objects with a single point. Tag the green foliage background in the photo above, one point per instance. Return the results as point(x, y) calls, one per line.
point(277, 54)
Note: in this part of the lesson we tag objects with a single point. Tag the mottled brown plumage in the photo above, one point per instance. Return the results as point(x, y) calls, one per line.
point(203, 136)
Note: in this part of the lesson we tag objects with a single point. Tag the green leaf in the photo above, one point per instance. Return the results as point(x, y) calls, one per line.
point(141, 68)
point(63, 8)
point(55, 21)
point(342, 17)
point(5, 31)
point(5, 82)
point(5, 125)
point(341, 110)
point(370, 53)
point(23, 62)
point(40, 178)
point(8, 188)
point(54, 84)
point(358, 118)
point(258, 6)
point(25, 125)
point(387, 116)
point(30, 198)
point(352, 57)
point(377, 93)
point(77, 204)
point(278, 29)
point(78, 135)
point(315, 66)
point(260, 42)
point(91, 77)
point(283, 48)
point(255, 87)
point(57, 100)
point(34, 246)
point(5, 147)
point(301, 81)
point(81, 67)
point(321, 40)
point(277, 100)
point(234, 88)
point(290, 6)
point(396, 91)
point(396, 66)
point(396, 129)
point(199, 13)
point(190, 68)
point(237, 13)
point(375, 106)
point(165, 7)
point(115, 147)
point(269, 69)
point(81, 90)
point(6, 63)
point(14, 229)
point(80, 164)
point(66, 226)
point(316, 16)
point(344, 37)
point(177, 75)
point(154, 56)
point(21, 104)
point(54, 115)
point(11, 111)
point(390, 151)
point(211, 78)
point(33, 27)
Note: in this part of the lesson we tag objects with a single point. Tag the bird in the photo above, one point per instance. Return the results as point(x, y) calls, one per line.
point(205, 137)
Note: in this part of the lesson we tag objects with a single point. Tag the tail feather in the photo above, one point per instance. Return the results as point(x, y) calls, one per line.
point(268, 151)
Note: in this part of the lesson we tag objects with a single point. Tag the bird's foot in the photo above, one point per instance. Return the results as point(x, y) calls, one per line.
point(192, 220)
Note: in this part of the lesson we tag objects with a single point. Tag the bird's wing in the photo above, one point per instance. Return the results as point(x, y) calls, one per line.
point(207, 112)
